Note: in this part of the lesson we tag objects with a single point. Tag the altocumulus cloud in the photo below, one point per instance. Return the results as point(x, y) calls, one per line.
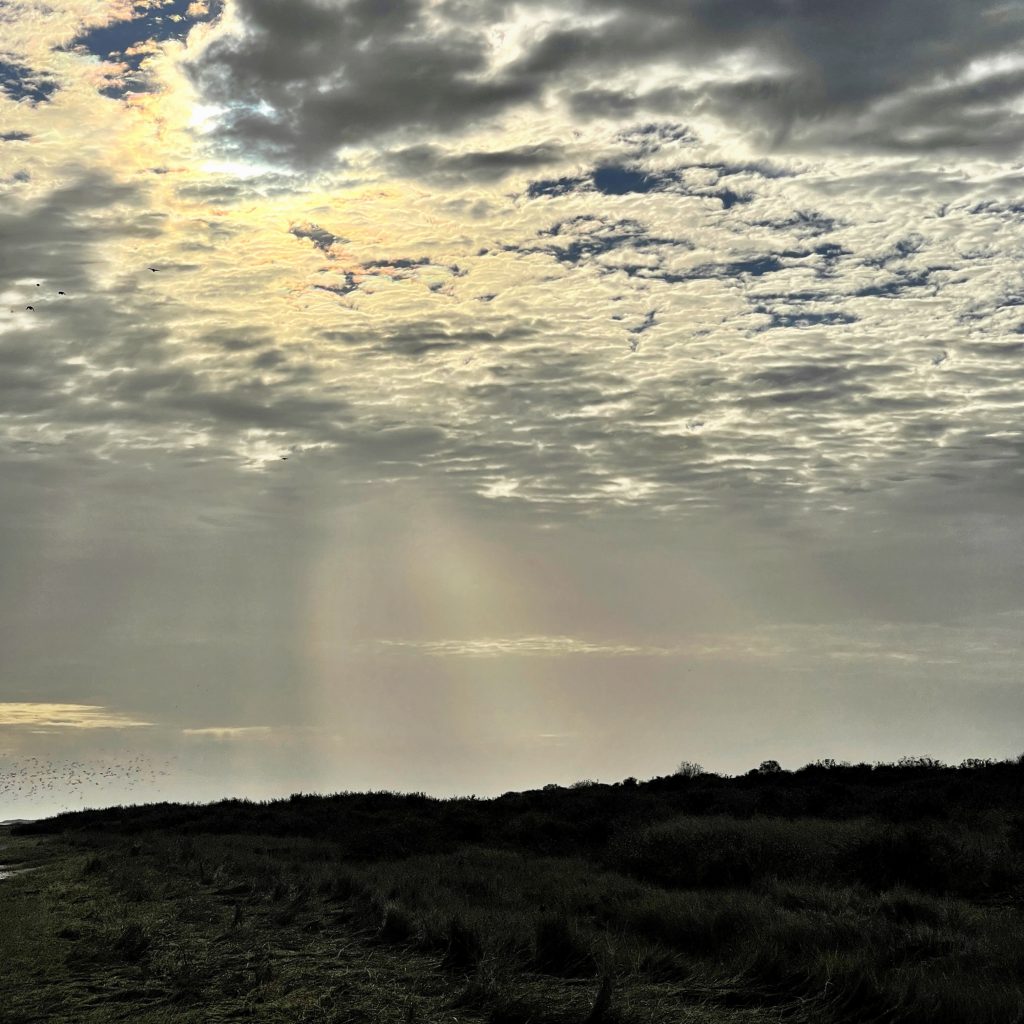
point(601, 255)
point(300, 80)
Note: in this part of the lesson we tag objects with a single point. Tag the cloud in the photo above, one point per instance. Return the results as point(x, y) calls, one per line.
point(559, 646)
point(298, 85)
point(775, 357)
point(64, 716)
point(131, 36)
point(803, 74)
point(320, 237)
point(230, 732)
point(462, 302)
point(812, 646)
point(434, 162)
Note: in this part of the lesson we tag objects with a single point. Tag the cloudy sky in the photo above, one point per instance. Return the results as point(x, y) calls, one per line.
point(460, 396)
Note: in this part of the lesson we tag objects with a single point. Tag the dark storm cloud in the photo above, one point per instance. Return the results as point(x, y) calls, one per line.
point(303, 79)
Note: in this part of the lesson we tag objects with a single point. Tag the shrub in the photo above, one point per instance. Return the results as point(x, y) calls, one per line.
point(723, 852)
point(932, 857)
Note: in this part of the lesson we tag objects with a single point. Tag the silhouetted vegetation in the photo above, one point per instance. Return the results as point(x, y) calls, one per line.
point(832, 893)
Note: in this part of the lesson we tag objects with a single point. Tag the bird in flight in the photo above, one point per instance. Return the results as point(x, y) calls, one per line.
point(61, 293)
point(33, 308)
point(154, 269)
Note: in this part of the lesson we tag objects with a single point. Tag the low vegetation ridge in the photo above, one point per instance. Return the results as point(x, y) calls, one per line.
point(834, 893)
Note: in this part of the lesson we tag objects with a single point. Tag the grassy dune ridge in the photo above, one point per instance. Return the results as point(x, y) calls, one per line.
point(864, 893)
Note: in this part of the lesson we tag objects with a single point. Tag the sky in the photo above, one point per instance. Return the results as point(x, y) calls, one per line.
point(461, 397)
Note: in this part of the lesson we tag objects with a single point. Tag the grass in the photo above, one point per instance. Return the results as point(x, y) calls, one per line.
point(653, 914)
point(220, 928)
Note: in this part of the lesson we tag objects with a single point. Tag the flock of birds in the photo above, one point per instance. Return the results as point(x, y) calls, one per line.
point(74, 782)
point(32, 309)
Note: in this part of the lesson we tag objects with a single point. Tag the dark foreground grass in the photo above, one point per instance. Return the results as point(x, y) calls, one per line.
point(862, 894)
point(210, 928)
point(236, 929)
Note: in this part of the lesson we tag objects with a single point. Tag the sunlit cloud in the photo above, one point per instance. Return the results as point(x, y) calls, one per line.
point(526, 646)
point(65, 716)
point(230, 732)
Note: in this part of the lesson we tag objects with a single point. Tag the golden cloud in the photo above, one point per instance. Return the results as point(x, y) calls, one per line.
point(65, 716)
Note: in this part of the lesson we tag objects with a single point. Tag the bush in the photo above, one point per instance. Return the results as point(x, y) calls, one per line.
point(934, 858)
point(722, 852)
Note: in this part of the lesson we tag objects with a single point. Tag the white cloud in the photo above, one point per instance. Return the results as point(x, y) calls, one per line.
point(525, 645)
point(230, 732)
